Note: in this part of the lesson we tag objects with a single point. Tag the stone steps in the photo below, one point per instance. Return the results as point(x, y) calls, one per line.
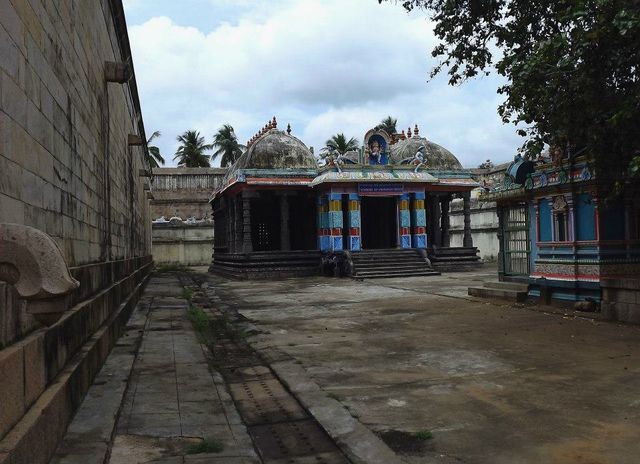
point(389, 263)
point(510, 291)
point(454, 258)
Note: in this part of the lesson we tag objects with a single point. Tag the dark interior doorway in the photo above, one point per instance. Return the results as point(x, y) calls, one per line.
point(303, 222)
point(379, 217)
point(265, 223)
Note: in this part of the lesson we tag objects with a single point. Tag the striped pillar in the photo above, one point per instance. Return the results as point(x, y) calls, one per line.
point(404, 221)
point(335, 221)
point(354, 243)
point(419, 220)
point(324, 232)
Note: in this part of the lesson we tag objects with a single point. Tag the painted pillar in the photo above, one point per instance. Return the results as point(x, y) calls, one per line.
point(571, 220)
point(285, 240)
point(404, 221)
point(467, 239)
point(335, 220)
point(324, 232)
point(247, 243)
point(355, 242)
point(419, 221)
point(444, 221)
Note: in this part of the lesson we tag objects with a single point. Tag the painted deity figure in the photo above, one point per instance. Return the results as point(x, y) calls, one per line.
point(375, 153)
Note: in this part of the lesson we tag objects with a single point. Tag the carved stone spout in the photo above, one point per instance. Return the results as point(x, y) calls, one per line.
point(32, 262)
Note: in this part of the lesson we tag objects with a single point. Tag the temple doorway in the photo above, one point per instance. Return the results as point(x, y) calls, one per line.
point(303, 222)
point(379, 217)
point(265, 223)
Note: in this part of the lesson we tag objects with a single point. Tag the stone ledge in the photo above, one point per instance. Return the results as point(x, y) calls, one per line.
point(621, 283)
point(359, 443)
point(35, 437)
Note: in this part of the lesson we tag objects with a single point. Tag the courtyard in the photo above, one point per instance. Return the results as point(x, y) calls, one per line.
point(488, 381)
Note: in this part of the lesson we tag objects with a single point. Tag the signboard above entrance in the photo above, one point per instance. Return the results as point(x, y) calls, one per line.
point(380, 189)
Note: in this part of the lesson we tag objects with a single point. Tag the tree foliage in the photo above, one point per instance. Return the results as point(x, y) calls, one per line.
point(227, 147)
point(339, 144)
point(153, 157)
point(389, 124)
point(191, 152)
point(572, 66)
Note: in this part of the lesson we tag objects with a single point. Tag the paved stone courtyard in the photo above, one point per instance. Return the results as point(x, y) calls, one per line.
point(493, 382)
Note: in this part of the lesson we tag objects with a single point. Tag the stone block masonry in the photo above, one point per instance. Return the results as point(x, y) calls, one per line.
point(181, 197)
point(67, 169)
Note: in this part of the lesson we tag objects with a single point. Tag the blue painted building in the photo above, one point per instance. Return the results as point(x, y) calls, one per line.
point(558, 234)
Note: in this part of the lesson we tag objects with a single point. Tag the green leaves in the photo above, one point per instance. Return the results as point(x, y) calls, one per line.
point(340, 144)
point(573, 69)
point(227, 145)
point(190, 153)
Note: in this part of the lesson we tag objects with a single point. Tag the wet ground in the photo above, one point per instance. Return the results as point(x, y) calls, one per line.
point(447, 378)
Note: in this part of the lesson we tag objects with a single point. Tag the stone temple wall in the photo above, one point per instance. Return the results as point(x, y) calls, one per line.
point(181, 197)
point(484, 227)
point(68, 169)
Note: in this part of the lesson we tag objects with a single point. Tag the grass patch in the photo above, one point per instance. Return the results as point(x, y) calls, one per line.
point(423, 435)
point(169, 267)
point(202, 324)
point(208, 445)
point(187, 293)
point(333, 396)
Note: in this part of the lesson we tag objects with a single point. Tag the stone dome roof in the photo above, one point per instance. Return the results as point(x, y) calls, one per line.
point(436, 157)
point(277, 150)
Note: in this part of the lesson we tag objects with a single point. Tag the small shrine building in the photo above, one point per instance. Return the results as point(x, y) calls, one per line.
point(278, 212)
point(560, 234)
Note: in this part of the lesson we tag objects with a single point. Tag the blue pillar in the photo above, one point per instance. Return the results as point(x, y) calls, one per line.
point(419, 220)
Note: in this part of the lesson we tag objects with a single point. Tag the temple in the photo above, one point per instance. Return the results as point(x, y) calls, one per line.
point(560, 235)
point(382, 210)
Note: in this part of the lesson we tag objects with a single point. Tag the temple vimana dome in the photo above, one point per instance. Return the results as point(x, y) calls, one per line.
point(275, 149)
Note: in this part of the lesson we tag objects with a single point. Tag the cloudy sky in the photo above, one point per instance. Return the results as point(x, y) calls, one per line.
point(324, 66)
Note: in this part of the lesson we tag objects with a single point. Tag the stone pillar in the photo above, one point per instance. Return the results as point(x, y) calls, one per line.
point(500, 234)
point(404, 222)
point(467, 240)
point(285, 239)
point(229, 210)
point(444, 221)
point(354, 241)
point(435, 221)
point(247, 242)
point(335, 221)
point(237, 220)
point(419, 221)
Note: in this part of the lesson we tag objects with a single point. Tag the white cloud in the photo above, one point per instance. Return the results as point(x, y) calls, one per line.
point(323, 65)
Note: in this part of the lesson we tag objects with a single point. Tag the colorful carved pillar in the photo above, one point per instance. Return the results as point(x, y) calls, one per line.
point(419, 221)
point(355, 243)
point(335, 220)
point(404, 222)
point(324, 231)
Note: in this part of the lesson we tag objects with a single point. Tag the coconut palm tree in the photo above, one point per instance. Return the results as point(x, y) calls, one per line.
point(226, 143)
point(388, 124)
point(153, 156)
point(339, 143)
point(190, 153)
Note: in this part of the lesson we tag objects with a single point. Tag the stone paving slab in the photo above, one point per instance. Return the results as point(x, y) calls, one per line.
point(161, 391)
point(494, 382)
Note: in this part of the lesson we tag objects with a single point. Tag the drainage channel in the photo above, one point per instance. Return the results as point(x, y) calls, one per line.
point(281, 429)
